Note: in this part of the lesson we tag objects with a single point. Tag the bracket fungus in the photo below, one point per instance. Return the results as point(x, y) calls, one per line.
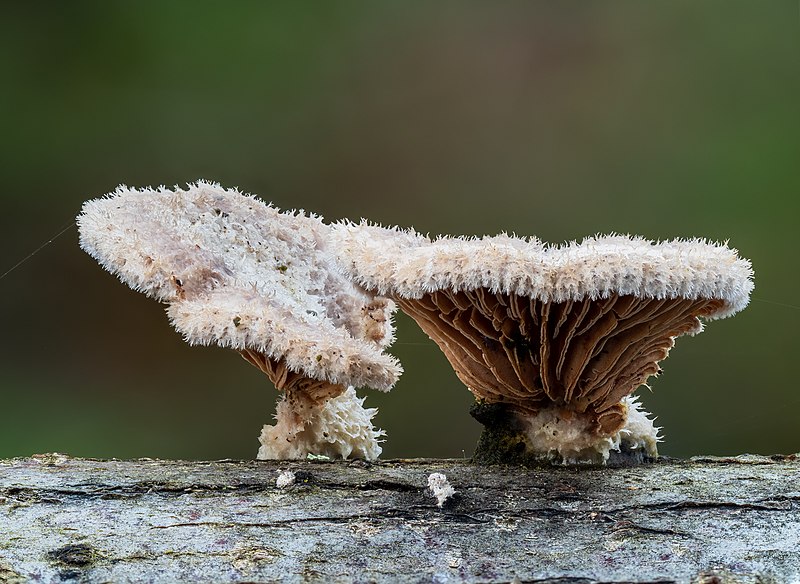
point(552, 340)
point(236, 272)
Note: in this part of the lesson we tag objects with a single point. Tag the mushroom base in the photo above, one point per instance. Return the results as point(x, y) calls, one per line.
point(556, 435)
point(314, 417)
point(339, 428)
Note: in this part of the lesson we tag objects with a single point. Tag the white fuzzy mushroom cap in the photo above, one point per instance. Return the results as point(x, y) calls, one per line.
point(406, 264)
point(239, 273)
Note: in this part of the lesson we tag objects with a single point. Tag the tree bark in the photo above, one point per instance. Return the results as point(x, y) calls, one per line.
point(699, 520)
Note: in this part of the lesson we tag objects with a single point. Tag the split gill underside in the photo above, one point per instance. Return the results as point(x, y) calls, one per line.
point(303, 393)
point(581, 356)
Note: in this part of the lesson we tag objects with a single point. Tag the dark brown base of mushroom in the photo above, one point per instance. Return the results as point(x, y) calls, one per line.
point(505, 440)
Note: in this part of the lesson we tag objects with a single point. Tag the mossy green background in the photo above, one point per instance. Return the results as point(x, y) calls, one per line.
point(560, 120)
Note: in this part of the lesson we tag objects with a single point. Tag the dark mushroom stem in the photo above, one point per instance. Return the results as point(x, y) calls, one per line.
point(520, 355)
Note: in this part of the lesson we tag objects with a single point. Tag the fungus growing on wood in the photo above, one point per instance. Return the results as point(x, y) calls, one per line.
point(285, 479)
point(340, 428)
point(238, 273)
point(552, 340)
point(440, 488)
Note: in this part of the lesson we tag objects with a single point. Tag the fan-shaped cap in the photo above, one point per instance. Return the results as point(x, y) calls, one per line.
point(405, 264)
point(238, 273)
point(575, 327)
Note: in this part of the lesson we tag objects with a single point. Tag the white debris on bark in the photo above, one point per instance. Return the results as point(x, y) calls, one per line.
point(285, 479)
point(440, 488)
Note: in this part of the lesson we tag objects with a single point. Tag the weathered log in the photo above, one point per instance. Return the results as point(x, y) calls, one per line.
point(704, 519)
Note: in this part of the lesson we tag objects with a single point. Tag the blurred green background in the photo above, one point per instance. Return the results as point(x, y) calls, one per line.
point(670, 119)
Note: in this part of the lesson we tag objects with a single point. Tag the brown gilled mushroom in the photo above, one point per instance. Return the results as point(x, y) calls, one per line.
point(552, 340)
point(238, 273)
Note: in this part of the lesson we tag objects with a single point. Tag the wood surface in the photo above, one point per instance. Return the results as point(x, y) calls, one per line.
point(705, 520)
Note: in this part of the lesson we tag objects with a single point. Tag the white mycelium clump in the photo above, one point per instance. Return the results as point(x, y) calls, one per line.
point(560, 435)
point(238, 273)
point(440, 488)
point(337, 428)
point(285, 479)
point(560, 335)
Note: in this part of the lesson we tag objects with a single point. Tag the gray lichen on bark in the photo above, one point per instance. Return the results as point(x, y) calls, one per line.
point(65, 519)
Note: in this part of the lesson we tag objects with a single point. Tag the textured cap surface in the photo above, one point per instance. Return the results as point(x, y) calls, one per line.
point(239, 273)
point(406, 264)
